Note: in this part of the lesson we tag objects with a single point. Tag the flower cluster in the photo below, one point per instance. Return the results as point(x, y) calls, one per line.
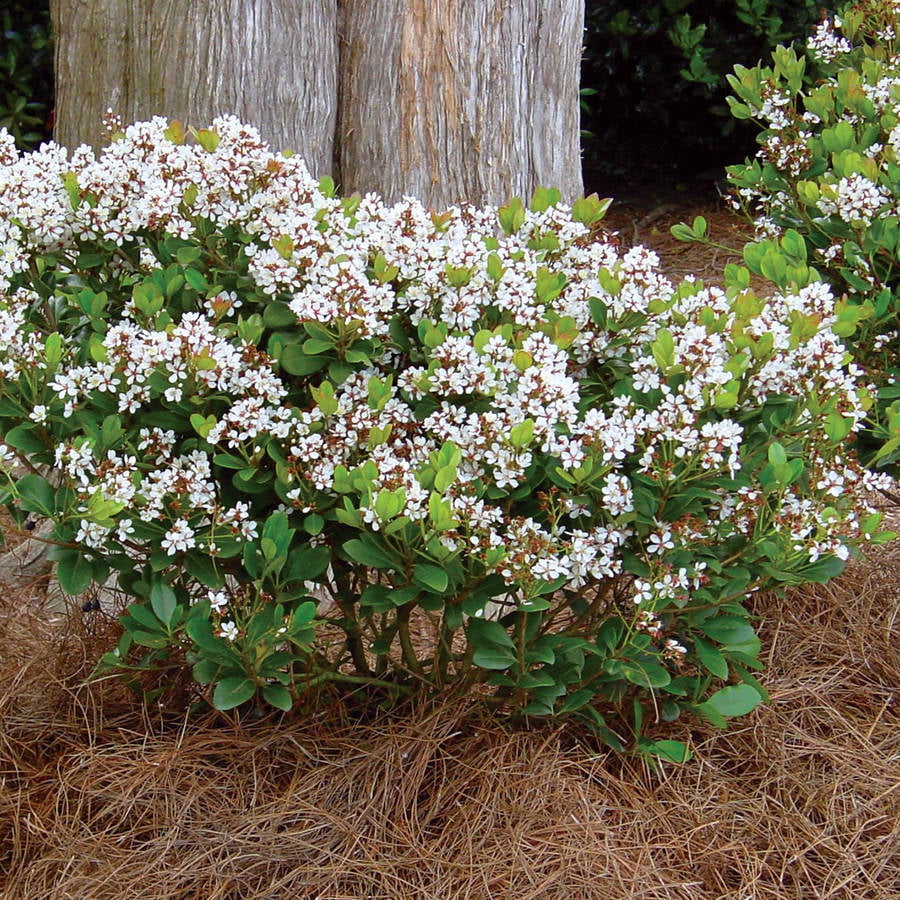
point(246, 386)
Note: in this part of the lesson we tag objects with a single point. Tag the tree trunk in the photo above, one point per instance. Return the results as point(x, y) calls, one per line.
point(460, 99)
point(449, 100)
point(273, 63)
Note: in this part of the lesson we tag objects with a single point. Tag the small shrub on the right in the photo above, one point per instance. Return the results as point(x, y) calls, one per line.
point(828, 169)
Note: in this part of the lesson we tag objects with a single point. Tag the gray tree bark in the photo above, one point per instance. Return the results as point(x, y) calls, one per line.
point(454, 100)
point(448, 100)
point(272, 63)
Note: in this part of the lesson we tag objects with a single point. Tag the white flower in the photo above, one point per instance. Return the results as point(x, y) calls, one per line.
point(617, 494)
point(855, 199)
point(470, 387)
point(218, 600)
point(92, 534)
point(229, 630)
point(179, 538)
point(825, 45)
point(646, 380)
point(660, 541)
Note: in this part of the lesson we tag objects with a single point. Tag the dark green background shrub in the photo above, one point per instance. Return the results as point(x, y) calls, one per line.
point(653, 79)
point(26, 72)
point(655, 71)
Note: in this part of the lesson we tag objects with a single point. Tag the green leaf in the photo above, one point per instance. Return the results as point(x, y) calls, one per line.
point(208, 140)
point(610, 633)
point(710, 658)
point(488, 634)
point(142, 617)
point(576, 700)
point(25, 438)
point(227, 461)
point(202, 424)
point(164, 602)
point(278, 315)
point(233, 691)
point(683, 232)
point(200, 631)
point(520, 435)
point(590, 210)
point(366, 553)
point(645, 674)
point(839, 137)
point(673, 751)
point(734, 700)
point(154, 640)
point(314, 346)
point(195, 278)
point(777, 456)
point(74, 572)
point(599, 312)
point(747, 678)
point(494, 267)
point(295, 362)
point(493, 658)
point(432, 578)
point(307, 563)
point(279, 532)
point(543, 198)
point(728, 630)
point(36, 494)
point(70, 183)
point(512, 216)
point(663, 349)
point(548, 285)
point(303, 615)
point(205, 671)
point(203, 568)
point(313, 524)
point(823, 569)
point(277, 695)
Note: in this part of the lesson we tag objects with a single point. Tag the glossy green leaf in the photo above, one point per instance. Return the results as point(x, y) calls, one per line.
point(74, 572)
point(233, 691)
point(734, 700)
point(164, 602)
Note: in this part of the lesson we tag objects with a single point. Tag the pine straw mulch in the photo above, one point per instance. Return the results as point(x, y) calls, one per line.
point(649, 225)
point(801, 799)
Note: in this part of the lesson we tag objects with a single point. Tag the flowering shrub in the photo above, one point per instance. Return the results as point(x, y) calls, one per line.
point(828, 173)
point(305, 431)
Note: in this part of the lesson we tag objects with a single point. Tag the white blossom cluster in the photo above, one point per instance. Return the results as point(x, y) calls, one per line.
point(21, 349)
point(825, 44)
point(504, 379)
point(190, 356)
point(855, 199)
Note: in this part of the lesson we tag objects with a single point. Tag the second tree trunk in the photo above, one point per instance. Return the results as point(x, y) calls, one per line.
point(460, 99)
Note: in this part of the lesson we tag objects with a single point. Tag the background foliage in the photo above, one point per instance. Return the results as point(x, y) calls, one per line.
point(653, 82)
point(828, 172)
point(26, 72)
